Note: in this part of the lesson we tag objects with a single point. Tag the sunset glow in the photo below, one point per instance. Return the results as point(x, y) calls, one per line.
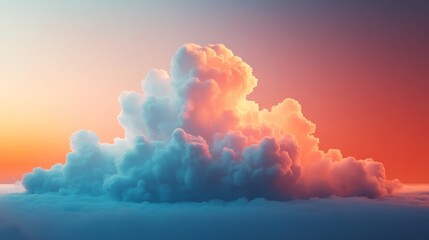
point(360, 77)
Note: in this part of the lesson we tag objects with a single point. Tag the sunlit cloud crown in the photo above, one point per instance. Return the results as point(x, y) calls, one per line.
point(192, 135)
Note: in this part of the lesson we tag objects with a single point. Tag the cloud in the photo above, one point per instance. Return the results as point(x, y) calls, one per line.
point(192, 135)
point(53, 216)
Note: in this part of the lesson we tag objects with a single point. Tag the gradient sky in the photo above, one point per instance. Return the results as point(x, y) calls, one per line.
point(360, 70)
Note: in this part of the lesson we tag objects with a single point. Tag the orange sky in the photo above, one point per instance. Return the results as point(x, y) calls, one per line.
point(360, 72)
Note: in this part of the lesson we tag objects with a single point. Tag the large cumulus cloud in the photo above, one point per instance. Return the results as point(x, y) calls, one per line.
point(192, 135)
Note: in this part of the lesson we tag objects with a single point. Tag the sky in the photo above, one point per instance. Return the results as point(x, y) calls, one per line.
point(359, 70)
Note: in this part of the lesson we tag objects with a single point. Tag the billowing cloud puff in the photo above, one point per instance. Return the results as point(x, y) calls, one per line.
point(192, 135)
